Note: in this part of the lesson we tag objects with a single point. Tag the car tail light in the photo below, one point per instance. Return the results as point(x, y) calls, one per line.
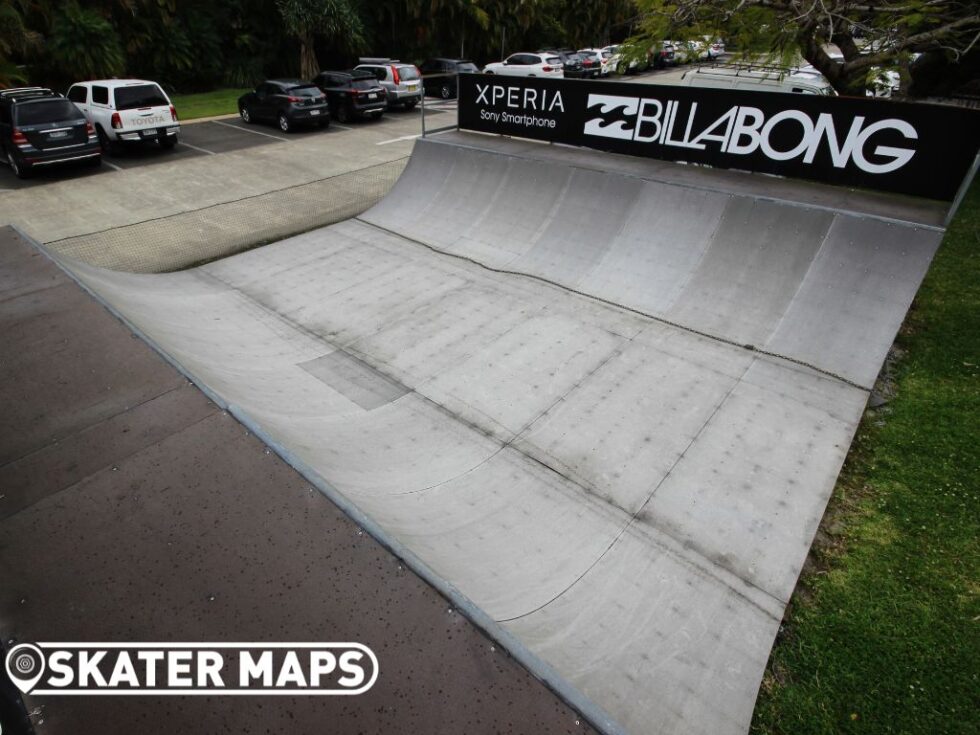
point(89, 130)
point(19, 138)
point(294, 99)
point(173, 113)
point(116, 121)
point(394, 75)
point(546, 68)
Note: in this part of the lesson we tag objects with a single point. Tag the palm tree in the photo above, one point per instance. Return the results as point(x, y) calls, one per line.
point(337, 20)
point(15, 39)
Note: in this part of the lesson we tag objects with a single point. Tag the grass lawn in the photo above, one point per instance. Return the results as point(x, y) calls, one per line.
point(208, 104)
point(883, 633)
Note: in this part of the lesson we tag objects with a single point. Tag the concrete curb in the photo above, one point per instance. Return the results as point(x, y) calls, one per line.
point(212, 118)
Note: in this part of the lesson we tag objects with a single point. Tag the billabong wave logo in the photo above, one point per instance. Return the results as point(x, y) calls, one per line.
point(609, 105)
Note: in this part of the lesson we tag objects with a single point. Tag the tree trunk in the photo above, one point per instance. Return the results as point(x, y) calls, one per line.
point(844, 84)
point(309, 67)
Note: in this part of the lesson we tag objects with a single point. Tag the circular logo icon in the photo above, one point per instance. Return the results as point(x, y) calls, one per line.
point(25, 666)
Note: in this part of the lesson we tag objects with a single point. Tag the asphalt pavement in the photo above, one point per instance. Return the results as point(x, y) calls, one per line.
point(230, 135)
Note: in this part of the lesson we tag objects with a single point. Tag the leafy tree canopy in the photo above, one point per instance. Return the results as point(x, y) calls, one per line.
point(871, 36)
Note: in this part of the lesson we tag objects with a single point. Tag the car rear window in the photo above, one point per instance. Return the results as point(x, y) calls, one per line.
point(607, 54)
point(365, 83)
point(553, 60)
point(42, 111)
point(408, 72)
point(305, 91)
point(467, 67)
point(140, 95)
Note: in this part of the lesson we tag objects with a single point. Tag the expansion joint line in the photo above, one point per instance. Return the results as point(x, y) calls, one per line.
point(633, 310)
point(636, 514)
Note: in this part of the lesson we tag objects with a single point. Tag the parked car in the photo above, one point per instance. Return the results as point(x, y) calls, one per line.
point(599, 59)
point(611, 56)
point(708, 48)
point(757, 78)
point(683, 51)
point(662, 56)
point(289, 103)
point(402, 82)
point(127, 111)
point(574, 65)
point(41, 128)
point(439, 75)
point(352, 94)
point(528, 65)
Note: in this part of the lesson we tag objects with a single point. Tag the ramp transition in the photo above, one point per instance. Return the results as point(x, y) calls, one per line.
point(603, 401)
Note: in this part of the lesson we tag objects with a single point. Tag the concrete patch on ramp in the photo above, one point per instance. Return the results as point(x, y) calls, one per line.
point(536, 382)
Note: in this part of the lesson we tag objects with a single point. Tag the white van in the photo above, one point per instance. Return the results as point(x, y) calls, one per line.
point(757, 79)
point(127, 111)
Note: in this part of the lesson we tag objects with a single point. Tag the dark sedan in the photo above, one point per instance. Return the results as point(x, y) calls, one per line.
point(352, 94)
point(41, 128)
point(439, 75)
point(574, 65)
point(288, 103)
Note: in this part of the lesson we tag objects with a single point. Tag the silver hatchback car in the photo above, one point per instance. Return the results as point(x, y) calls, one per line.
point(402, 82)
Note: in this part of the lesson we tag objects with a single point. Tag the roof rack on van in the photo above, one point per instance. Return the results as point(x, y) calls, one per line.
point(748, 69)
point(377, 60)
point(21, 92)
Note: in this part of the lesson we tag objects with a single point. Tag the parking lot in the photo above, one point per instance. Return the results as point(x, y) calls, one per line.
point(230, 135)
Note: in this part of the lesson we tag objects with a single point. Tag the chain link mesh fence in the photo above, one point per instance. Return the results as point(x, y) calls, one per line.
point(197, 236)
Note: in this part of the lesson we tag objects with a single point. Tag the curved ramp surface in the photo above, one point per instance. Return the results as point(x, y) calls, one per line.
point(532, 376)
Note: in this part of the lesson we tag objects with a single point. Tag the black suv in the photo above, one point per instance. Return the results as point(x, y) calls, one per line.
point(439, 75)
point(41, 128)
point(286, 102)
point(573, 63)
point(352, 94)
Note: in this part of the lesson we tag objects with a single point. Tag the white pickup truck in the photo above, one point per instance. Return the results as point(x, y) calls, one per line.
point(127, 111)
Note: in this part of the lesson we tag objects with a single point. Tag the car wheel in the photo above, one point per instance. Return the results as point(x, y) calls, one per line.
point(323, 122)
point(167, 142)
point(246, 115)
point(445, 91)
point(284, 125)
point(104, 140)
point(21, 171)
point(409, 106)
point(343, 113)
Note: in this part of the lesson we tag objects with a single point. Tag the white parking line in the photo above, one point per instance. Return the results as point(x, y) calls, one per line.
point(397, 140)
point(194, 147)
point(110, 165)
point(340, 127)
point(247, 130)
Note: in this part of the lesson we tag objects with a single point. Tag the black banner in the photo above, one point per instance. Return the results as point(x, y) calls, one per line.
point(918, 149)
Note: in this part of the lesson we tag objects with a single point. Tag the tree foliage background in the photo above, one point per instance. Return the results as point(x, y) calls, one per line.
point(190, 45)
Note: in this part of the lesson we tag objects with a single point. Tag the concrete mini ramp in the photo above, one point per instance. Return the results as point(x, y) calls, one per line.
point(527, 369)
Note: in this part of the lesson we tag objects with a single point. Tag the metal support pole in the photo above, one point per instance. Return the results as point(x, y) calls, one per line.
point(961, 192)
point(422, 106)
